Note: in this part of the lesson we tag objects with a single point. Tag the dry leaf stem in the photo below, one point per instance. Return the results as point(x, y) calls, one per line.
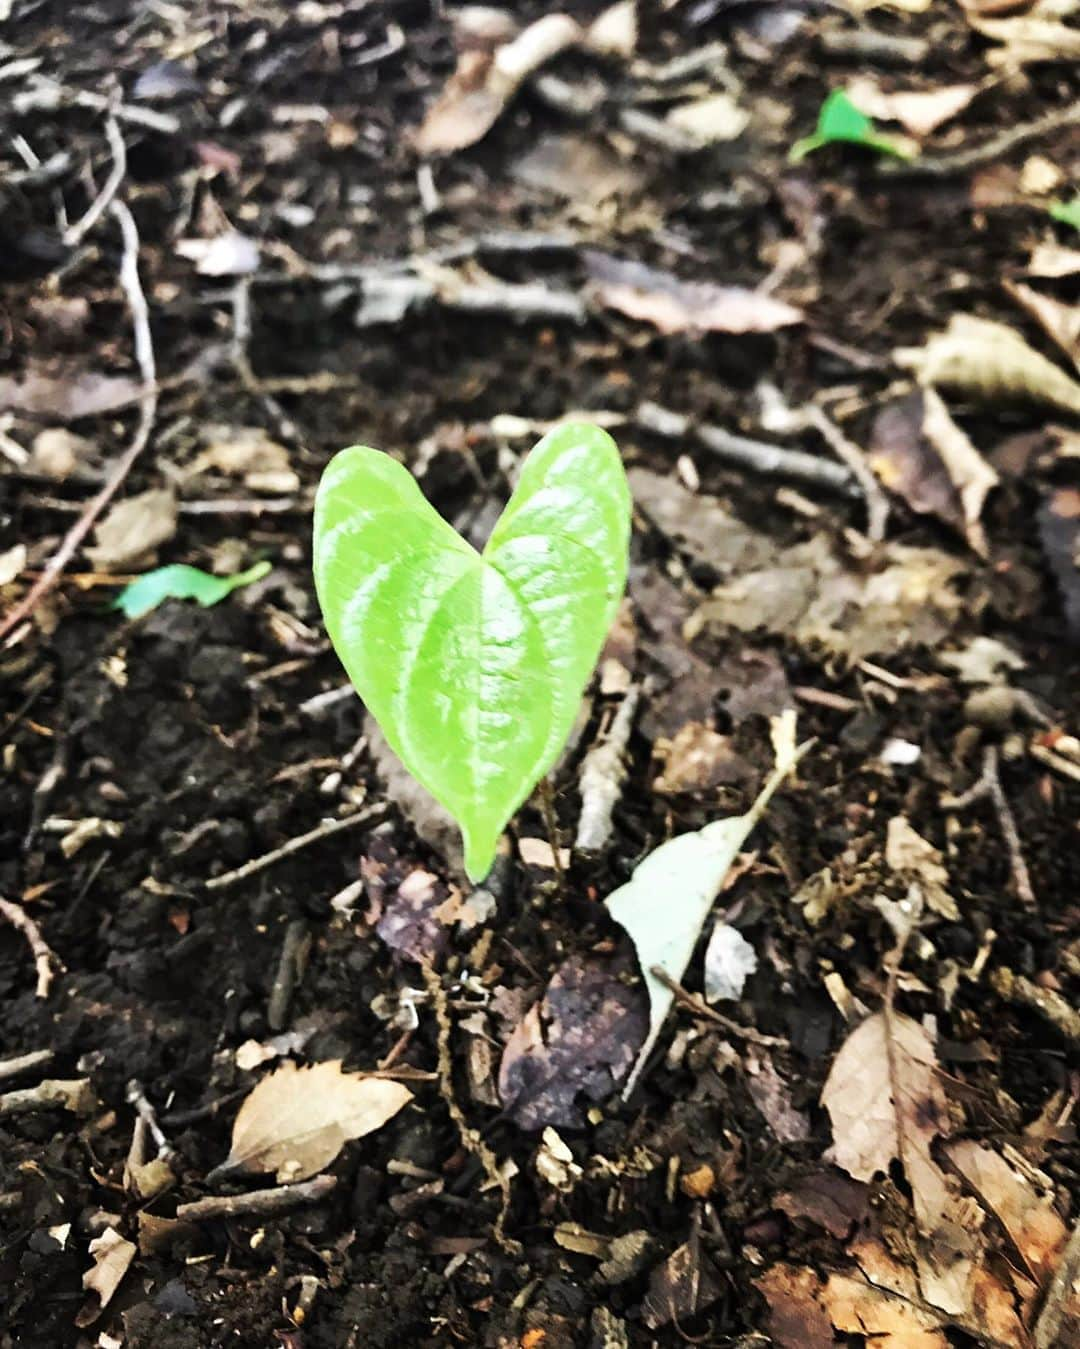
point(989, 787)
point(325, 830)
point(258, 1203)
point(44, 959)
point(700, 1008)
point(144, 355)
point(470, 1138)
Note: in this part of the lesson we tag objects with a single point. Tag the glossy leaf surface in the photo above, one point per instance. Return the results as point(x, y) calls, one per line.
point(474, 663)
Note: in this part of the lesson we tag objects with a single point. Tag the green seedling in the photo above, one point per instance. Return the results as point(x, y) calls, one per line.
point(1067, 212)
point(180, 582)
point(841, 123)
point(474, 663)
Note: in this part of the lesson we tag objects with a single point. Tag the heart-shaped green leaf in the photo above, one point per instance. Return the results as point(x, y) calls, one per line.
point(474, 663)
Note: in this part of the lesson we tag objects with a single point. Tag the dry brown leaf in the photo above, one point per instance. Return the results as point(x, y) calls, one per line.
point(920, 453)
point(133, 529)
point(247, 452)
point(914, 859)
point(886, 1103)
point(991, 362)
point(919, 111)
point(697, 759)
point(1059, 321)
point(297, 1120)
point(772, 1096)
point(68, 395)
point(684, 1285)
point(580, 168)
point(112, 1254)
point(675, 306)
point(57, 452)
point(809, 594)
point(858, 1307)
point(797, 1319)
point(486, 80)
point(1028, 39)
point(1028, 1216)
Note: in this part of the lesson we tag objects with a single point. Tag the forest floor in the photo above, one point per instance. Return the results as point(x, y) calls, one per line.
point(235, 237)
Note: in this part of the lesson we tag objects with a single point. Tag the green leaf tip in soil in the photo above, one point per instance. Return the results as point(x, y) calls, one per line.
point(841, 123)
point(1068, 212)
point(181, 582)
point(474, 663)
point(664, 904)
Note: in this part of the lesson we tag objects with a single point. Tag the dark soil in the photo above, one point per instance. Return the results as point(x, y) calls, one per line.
point(186, 727)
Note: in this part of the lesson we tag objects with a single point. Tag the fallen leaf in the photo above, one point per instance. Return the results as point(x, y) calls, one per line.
point(247, 452)
point(181, 582)
point(1059, 321)
point(984, 660)
point(112, 1254)
point(1059, 533)
point(67, 396)
point(57, 452)
point(919, 111)
point(729, 962)
point(133, 529)
point(915, 860)
point(772, 1096)
point(840, 122)
point(297, 1120)
point(417, 916)
point(886, 1103)
point(827, 1199)
point(685, 1284)
point(808, 594)
point(580, 1038)
point(579, 168)
point(228, 254)
point(697, 759)
point(1052, 261)
point(991, 362)
point(753, 684)
point(674, 306)
point(667, 899)
point(697, 523)
point(1028, 39)
point(919, 452)
point(797, 1319)
point(11, 563)
point(1028, 1216)
point(711, 120)
point(488, 77)
point(858, 1307)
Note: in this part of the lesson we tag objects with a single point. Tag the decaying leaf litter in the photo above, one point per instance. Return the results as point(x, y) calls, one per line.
point(847, 394)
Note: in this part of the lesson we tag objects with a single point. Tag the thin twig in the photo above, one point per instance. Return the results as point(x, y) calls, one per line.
point(602, 772)
point(294, 951)
point(137, 1098)
point(74, 1094)
point(699, 1007)
point(997, 147)
point(325, 830)
point(144, 355)
point(1051, 1006)
point(44, 959)
point(877, 503)
point(551, 824)
point(988, 787)
point(48, 95)
point(257, 1203)
point(24, 1063)
point(752, 454)
point(470, 1138)
point(75, 234)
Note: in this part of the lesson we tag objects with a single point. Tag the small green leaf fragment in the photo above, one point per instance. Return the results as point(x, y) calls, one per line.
point(1068, 212)
point(474, 663)
point(841, 123)
point(181, 582)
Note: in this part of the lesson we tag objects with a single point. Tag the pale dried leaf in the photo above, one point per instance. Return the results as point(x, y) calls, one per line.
point(1051, 261)
point(919, 111)
point(858, 1307)
point(247, 452)
point(729, 962)
point(1028, 39)
point(1059, 320)
point(112, 1254)
point(984, 660)
point(297, 1120)
point(991, 362)
point(675, 306)
point(67, 396)
point(711, 120)
point(886, 1103)
point(1026, 1214)
point(698, 759)
point(57, 452)
point(913, 858)
point(228, 254)
point(11, 563)
point(133, 529)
